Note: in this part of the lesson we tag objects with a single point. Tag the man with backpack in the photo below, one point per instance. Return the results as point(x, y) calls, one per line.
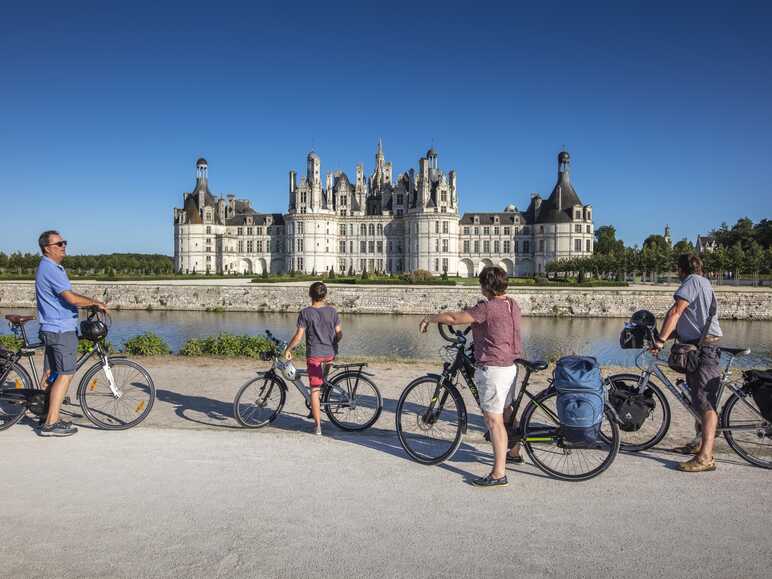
point(694, 319)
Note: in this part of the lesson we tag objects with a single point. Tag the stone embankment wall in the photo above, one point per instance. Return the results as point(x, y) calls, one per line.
point(551, 302)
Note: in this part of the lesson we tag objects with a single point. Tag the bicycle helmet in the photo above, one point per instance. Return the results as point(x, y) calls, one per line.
point(643, 318)
point(287, 369)
point(93, 329)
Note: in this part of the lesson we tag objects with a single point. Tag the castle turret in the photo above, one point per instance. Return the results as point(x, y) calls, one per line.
point(314, 179)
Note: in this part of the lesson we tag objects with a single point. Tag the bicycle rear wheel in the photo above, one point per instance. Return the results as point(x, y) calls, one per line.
point(429, 420)
point(752, 438)
point(103, 408)
point(12, 407)
point(259, 401)
point(544, 443)
point(352, 401)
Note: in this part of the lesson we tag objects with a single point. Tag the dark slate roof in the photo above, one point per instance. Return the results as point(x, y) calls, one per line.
point(553, 212)
point(257, 218)
point(191, 210)
point(341, 181)
point(201, 161)
point(505, 218)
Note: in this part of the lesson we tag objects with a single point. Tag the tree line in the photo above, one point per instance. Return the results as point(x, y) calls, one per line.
point(113, 264)
point(745, 249)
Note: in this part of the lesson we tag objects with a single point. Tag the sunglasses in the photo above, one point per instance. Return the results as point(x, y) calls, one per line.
point(62, 243)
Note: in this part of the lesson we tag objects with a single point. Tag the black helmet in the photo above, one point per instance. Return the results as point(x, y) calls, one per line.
point(93, 329)
point(643, 318)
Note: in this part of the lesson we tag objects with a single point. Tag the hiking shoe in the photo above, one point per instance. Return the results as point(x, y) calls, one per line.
point(489, 481)
point(60, 428)
point(696, 465)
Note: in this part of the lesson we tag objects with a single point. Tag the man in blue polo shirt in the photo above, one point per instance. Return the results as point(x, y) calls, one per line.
point(58, 316)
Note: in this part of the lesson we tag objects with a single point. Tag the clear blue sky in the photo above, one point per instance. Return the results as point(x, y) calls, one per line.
point(104, 107)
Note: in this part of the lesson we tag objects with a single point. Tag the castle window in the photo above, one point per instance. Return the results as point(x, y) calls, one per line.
point(268, 246)
point(444, 246)
point(486, 230)
point(444, 226)
point(241, 246)
point(476, 219)
point(371, 229)
point(541, 246)
point(476, 246)
point(436, 244)
point(496, 231)
point(577, 214)
point(444, 196)
point(466, 231)
point(466, 246)
point(300, 227)
point(391, 246)
point(486, 246)
point(380, 229)
point(436, 264)
point(380, 247)
point(370, 247)
point(249, 231)
point(300, 245)
point(208, 229)
point(495, 218)
point(577, 228)
point(577, 245)
point(496, 246)
point(507, 231)
point(343, 229)
point(445, 265)
point(477, 231)
point(239, 231)
point(363, 229)
point(351, 229)
point(351, 247)
point(259, 230)
point(588, 228)
point(526, 246)
point(400, 198)
point(259, 246)
point(362, 246)
point(588, 245)
point(300, 264)
point(250, 246)
point(436, 227)
point(507, 245)
point(541, 229)
point(343, 247)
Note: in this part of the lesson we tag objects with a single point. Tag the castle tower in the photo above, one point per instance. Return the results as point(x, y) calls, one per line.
point(668, 238)
point(314, 179)
point(202, 177)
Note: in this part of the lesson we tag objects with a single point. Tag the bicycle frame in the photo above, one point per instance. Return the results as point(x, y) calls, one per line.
point(463, 364)
point(680, 388)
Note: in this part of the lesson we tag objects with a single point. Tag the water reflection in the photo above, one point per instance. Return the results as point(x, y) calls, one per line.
point(397, 336)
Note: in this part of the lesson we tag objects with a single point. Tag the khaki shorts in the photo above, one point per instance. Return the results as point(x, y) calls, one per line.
point(496, 385)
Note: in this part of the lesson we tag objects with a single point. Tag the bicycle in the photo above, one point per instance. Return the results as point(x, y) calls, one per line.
point(431, 418)
point(349, 398)
point(746, 431)
point(114, 393)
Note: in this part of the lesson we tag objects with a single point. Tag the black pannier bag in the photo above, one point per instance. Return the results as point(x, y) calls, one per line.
point(759, 382)
point(633, 337)
point(631, 407)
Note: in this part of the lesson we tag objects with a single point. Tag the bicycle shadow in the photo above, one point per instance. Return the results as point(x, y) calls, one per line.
point(672, 463)
point(184, 404)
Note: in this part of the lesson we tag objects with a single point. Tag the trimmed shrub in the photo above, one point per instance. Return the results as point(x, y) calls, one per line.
point(147, 344)
point(10, 342)
point(229, 345)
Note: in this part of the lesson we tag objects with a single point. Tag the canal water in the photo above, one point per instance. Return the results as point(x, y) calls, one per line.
point(397, 336)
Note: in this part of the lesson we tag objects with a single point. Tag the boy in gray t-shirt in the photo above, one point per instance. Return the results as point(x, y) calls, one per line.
point(321, 326)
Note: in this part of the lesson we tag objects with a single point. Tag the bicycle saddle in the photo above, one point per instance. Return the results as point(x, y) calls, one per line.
point(18, 320)
point(535, 366)
point(736, 351)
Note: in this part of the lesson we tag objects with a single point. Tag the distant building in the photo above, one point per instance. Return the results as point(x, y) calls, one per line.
point(378, 224)
point(668, 238)
point(705, 244)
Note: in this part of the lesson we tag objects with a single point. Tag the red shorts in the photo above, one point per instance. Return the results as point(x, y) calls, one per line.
point(315, 369)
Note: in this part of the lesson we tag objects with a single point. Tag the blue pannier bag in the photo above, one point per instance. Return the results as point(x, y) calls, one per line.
point(581, 398)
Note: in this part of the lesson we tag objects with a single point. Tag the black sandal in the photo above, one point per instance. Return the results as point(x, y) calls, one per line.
point(489, 481)
point(514, 459)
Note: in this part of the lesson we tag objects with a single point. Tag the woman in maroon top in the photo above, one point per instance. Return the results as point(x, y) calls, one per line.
point(496, 331)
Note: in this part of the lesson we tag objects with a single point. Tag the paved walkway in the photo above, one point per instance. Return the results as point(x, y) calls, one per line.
point(202, 503)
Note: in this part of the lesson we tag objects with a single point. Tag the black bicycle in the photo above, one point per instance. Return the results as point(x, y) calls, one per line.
point(114, 393)
point(349, 398)
point(431, 418)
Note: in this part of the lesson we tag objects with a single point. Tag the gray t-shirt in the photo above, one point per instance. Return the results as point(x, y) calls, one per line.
point(698, 293)
point(319, 324)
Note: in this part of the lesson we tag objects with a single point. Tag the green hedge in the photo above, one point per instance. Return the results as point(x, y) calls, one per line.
point(147, 344)
point(229, 345)
point(10, 342)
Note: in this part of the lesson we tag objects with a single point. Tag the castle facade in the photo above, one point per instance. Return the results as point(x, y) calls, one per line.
point(378, 224)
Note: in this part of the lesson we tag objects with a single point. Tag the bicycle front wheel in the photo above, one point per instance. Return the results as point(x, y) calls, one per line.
point(352, 401)
point(545, 446)
point(429, 419)
point(751, 434)
point(128, 405)
point(649, 432)
point(12, 406)
point(259, 401)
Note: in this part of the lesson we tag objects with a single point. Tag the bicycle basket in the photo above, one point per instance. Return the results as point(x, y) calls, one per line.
point(30, 333)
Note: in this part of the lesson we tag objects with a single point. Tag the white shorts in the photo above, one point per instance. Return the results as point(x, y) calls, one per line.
point(496, 385)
